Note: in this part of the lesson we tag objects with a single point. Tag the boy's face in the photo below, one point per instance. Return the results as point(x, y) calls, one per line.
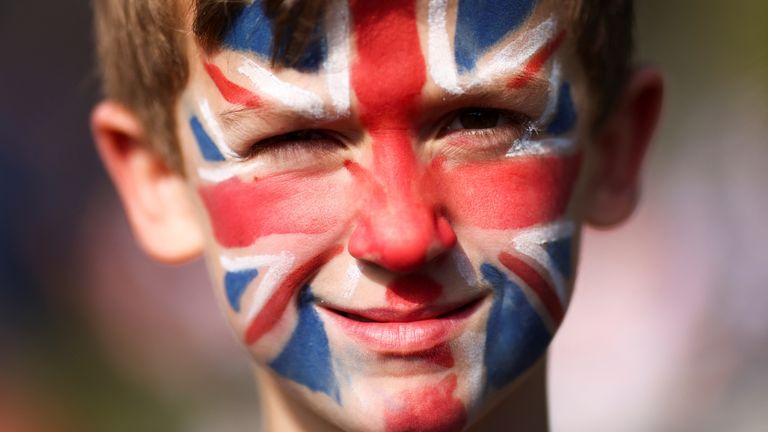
point(393, 222)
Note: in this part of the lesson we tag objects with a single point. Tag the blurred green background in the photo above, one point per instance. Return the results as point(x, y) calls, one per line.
point(668, 330)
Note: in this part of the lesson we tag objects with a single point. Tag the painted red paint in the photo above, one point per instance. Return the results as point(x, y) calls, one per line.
point(429, 408)
point(543, 288)
point(230, 91)
point(537, 62)
point(440, 355)
point(412, 290)
point(273, 310)
point(398, 228)
point(241, 211)
point(507, 194)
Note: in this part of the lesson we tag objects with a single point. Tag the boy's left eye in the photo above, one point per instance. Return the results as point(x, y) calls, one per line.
point(481, 133)
point(475, 118)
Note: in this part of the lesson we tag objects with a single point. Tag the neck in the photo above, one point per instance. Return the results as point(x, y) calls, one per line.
point(523, 407)
point(281, 413)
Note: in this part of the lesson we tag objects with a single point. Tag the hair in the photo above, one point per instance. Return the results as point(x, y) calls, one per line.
point(144, 65)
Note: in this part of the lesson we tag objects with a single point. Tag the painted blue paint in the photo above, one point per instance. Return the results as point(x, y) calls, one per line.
point(207, 147)
point(235, 284)
point(306, 359)
point(561, 253)
point(565, 116)
point(515, 336)
point(480, 24)
point(251, 30)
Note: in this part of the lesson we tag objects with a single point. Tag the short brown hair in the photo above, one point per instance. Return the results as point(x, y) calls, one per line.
point(144, 65)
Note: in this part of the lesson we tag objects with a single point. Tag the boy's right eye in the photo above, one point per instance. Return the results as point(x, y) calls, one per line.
point(311, 148)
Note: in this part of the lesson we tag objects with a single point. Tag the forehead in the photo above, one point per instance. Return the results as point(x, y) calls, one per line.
point(468, 28)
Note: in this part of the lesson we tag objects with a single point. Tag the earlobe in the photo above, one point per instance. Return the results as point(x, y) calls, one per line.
point(155, 198)
point(620, 147)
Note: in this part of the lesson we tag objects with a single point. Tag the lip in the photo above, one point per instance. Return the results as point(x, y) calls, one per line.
point(403, 332)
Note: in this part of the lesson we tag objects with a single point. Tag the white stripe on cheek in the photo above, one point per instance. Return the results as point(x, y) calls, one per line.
point(531, 243)
point(298, 99)
point(351, 280)
point(469, 350)
point(337, 63)
point(227, 170)
point(215, 129)
point(464, 267)
point(555, 82)
point(546, 146)
point(441, 58)
point(279, 267)
point(516, 53)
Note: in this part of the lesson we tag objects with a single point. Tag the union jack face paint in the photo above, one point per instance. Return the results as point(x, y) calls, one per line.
point(390, 219)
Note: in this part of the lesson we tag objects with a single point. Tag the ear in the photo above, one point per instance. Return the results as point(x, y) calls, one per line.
point(621, 144)
point(155, 198)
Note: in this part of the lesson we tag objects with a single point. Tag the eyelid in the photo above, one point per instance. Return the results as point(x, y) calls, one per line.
point(512, 117)
point(484, 143)
point(290, 150)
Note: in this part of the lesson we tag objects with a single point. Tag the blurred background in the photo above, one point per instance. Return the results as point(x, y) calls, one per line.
point(668, 330)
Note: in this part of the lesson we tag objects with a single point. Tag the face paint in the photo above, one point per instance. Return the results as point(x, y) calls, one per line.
point(400, 287)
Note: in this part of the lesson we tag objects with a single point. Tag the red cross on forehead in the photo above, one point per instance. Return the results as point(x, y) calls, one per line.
point(389, 69)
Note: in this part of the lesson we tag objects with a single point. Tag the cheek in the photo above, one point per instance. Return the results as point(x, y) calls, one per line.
point(511, 194)
point(242, 212)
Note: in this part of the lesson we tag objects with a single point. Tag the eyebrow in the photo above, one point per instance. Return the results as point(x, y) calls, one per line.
point(232, 117)
point(500, 90)
point(230, 91)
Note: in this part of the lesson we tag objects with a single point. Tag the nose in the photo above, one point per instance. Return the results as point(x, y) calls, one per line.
point(400, 227)
point(401, 238)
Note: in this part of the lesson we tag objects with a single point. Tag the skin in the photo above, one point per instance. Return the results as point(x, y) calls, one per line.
point(369, 264)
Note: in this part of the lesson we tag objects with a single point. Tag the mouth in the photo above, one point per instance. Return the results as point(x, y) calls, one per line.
point(389, 331)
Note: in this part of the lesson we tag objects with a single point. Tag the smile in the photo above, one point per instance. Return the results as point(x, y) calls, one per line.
point(391, 331)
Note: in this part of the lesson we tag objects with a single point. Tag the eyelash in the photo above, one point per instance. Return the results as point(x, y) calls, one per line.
point(512, 128)
point(319, 142)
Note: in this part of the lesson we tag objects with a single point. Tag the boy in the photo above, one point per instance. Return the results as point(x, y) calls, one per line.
point(388, 193)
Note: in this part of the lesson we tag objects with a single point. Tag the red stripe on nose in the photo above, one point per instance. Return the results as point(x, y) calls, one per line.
point(399, 228)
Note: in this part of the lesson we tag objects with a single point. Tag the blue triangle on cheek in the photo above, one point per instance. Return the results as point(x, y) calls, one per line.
point(207, 147)
point(561, 253)
point(306, 358)
point(235, 284)
point(515, 336)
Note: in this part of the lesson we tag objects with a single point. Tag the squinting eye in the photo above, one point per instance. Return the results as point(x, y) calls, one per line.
point(481, 133)
point(480, 119)
point(310, 140)
point(313, 149)
point(475, 118)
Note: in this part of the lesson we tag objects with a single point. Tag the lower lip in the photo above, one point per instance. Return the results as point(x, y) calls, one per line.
point(405, 337)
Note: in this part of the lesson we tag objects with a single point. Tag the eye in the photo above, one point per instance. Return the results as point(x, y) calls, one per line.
point(475, 118)
point(482, 133)
point(302, 149)
point(311, 140)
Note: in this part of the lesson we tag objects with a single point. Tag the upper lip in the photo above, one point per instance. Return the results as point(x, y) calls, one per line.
point(403, 314)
